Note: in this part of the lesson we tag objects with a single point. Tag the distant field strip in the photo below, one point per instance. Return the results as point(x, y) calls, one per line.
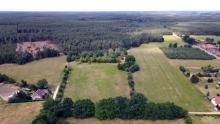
point(96, 81)
point(161, 82)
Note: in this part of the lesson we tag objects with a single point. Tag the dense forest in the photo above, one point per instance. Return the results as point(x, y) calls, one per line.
point(89, 32)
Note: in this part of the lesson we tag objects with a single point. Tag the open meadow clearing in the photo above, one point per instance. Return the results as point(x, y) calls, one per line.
point(19, 113)
point(161, 82)
point(50, 69)
point(96, 81)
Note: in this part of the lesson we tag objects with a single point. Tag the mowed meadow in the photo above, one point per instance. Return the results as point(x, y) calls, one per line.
point(161, 82)
point(50, 69)
point(96, 81)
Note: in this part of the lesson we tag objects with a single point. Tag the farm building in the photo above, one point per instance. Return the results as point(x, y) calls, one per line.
point(216, 101)
point(40, 94)
point(8, 90)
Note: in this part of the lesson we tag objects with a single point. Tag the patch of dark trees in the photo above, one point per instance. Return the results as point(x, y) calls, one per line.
point(11, 56)
point(137, 107)
point(129, 65)
point(6, 79)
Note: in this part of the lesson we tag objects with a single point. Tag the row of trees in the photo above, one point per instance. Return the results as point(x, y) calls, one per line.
point(137, 107)
point(62, 86)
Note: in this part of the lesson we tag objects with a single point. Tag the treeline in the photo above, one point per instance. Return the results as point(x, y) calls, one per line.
point(99, 56)
point(78, 33)
point(137, 107)
point(9, 55)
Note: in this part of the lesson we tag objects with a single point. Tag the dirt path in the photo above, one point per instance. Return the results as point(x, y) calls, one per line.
point(56, 91)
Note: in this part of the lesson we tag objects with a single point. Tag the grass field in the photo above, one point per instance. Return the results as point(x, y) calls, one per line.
point(203, 37)
point(172, 39)
point(49, 69)
point(96, 81)
point(117, 121)
point(19, 113)
point(161, 82)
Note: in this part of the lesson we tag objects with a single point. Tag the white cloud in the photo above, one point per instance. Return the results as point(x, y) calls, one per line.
point(108, 5)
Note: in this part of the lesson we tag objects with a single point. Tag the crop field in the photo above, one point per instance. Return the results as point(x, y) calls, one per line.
point(203, 37)
point(49, 69)
point(19, 113)
point(96, 81)
point(186, 53)
point(117, 121)
point(161, 82)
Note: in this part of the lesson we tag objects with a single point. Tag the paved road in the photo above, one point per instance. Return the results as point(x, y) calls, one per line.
point(204, 113)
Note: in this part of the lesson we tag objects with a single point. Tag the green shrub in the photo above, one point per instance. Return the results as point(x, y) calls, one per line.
point(105, 109)
point(84, 109)
point(194, 79)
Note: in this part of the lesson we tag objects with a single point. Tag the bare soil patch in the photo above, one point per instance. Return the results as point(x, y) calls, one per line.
point(34, 47)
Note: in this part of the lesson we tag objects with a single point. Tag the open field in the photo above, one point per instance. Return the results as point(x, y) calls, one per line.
point(203, 37)
point(96, 81)
point(117, 121)
point(19, 113)
point(172, 39)
point(161, 82)
point(49, 69)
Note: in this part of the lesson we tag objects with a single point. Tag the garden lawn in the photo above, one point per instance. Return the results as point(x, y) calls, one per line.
point(49, 68)
point(161, 82)
point(96, 81)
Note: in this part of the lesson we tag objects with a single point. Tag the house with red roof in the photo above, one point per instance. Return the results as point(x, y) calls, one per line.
point(216, 101)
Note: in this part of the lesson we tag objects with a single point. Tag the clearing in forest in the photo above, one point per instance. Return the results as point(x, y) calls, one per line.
point(49, 68)
point(161, 82)
point(96, 81)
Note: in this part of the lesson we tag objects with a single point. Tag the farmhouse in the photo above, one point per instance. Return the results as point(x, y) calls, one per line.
point(8, 90)
point(40, 94)
point(216, 101)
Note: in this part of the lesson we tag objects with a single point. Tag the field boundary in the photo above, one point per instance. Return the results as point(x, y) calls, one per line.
point(204, 113)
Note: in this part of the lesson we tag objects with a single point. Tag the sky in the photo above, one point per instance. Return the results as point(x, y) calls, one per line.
point(109, 5)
